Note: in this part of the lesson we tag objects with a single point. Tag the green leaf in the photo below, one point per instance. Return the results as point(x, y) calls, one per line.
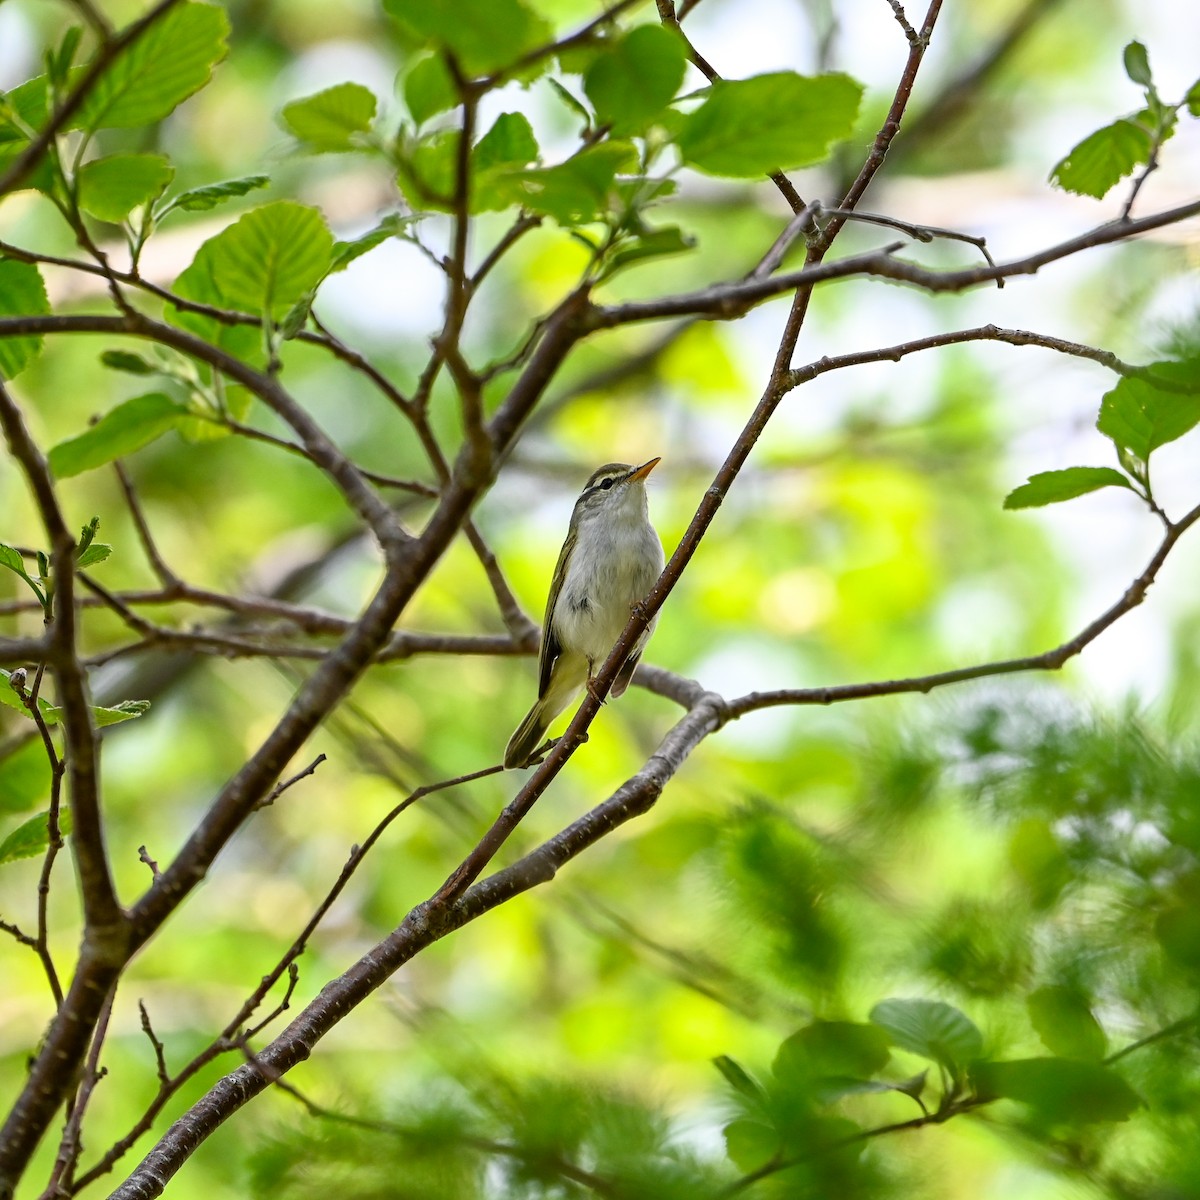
point(97, 552)
point(509, 143)
point(121, 431)
point(1139, 417)
point(752, 127)
point(483, 35)
point(1192, 99)
point(429, 88)
point(15, 562)
point(9, 697)
point(110, 188)
point(344, 253)
point(58, 62)
point(738, 1077)
point(130, 363)
point(651, 243)
point(750, 1144)
point(1103, 159)
point(22, 294)
point(1065, 1022)
point(1062, 1090)
point(931, 1029)
point(636, 79)
point(577, 191)
point(832, 1048)
point(426, 174)
point(1049, 487)
point(25, 776)
point(332, 119)
point(33, 836)
point(170, 61)
point(1137, 64)
point(263, 263)
point(127, 710)
point(202, 199)
point(575, 105)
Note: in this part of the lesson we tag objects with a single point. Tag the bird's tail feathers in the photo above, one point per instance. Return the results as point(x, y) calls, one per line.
point(564, 683)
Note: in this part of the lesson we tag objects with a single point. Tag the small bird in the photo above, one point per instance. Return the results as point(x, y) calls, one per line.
point(607, 565)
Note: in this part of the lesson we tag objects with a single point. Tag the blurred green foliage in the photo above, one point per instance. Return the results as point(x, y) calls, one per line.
point(963, 905)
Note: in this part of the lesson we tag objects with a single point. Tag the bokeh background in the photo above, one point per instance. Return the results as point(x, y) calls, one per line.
point(806, 861)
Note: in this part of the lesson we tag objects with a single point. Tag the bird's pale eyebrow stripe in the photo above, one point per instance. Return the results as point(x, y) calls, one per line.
point(595, 487)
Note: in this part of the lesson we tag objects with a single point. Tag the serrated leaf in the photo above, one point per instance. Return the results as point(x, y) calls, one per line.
point(429, 88)
point(170, 61)
point(636, 78)
point(1103, 159)
point(1051, 487)
point(261, 264)
point(130, 363)
point(22, 294)
point(33, 836)
point(931, 1029)
point(1065, 1022)
point(202, 199)
point(332, 120)
point(97, 552)
point(110, 188)
point(750, 1144)
point(1140, 417)
point(1062, 1090)
point(577, 191)
point(751, 127)
point(124, 429)
point(483, 35)
point(1137, 64)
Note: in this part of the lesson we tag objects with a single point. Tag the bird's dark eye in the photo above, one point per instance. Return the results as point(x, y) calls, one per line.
point(606, 484)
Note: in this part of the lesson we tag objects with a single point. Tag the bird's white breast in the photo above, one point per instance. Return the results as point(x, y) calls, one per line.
point(617, 558)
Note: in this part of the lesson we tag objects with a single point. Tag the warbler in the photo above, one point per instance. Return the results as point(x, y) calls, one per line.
point(607, 565)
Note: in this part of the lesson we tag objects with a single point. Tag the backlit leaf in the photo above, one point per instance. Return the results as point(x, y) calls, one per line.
point(483, 35)
point(263, 263)
point(22, 294)
point(1049, 487)
point(110, 188)
point(633, 81)
point(751, 127)
point(170, 61)
point(429, 88)
point(31, 837)
point(1140, 417)
point(331, 119)
point(124, 429)
point(202, 199)
point(930, 1028)
point(1103, 159)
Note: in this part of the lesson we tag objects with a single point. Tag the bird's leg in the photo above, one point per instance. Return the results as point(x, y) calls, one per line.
point(591, 683)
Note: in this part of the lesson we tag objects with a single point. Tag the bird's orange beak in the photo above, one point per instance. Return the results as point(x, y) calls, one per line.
point(644, 470)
